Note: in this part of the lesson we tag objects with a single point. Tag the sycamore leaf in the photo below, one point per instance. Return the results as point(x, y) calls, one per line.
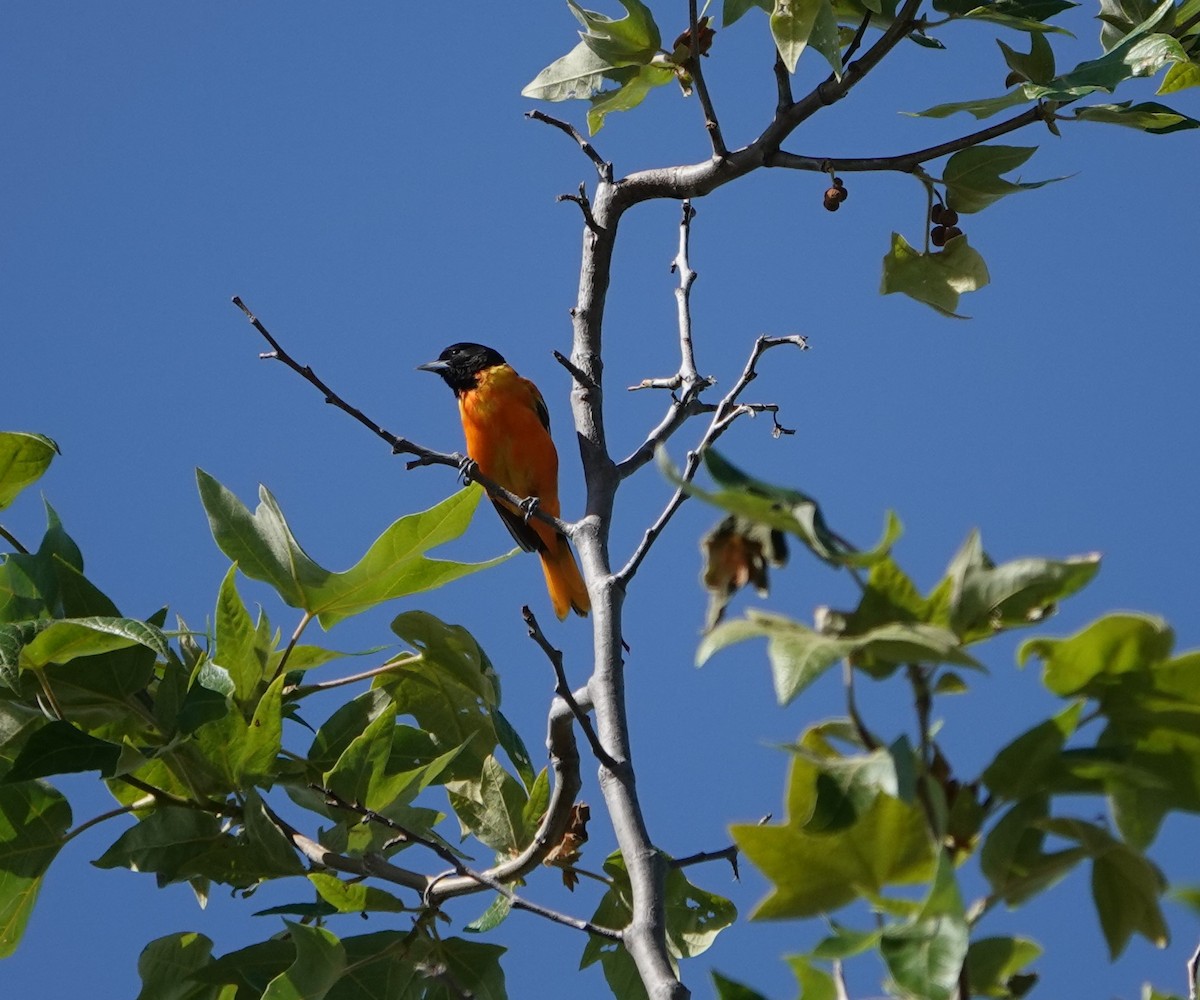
point(632, 40)
point(1148, 116)
point(635, 84)
point(23, 459)
point(394, 566)
point(33, 819)
point(973, 180)
point(936, 279)
point(320, 960)
point(580, 75)
point(792, 23)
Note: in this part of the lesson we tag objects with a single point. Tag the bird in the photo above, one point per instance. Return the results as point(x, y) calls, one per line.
point(507, 428)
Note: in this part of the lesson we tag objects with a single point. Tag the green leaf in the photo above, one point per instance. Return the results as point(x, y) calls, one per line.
point(66, 639)
point(354, 897)
point(986, 598)
point(728, 989)
point(579, 75)
point(1140, 52)
point(491, 918)
point(973, 180)
point(166, 966)
point(1179, 77)
point(1089, 662)
point(320, 961)
point(694, 917)
point(24, 458)
point(495, 813)
point(236, 640)
point(1038, 65)
point(33, 819)
point(1147, 116)
point(780, 508)
point(1012, 858)
point(631, 40)
point(937, 279)
point(734, 9)
point(255, 756)
point(59, 748)
point(925, 955)
point(798, 655)
point(1126, 888)
point(982, 108)
point(992, 962)
point(791, 24)
point(264, 548)
point(360, 768)
point(633, 87)
point(1030, 763)
point(845, 942)
point(815, 983)
point(816, 873)
point(164, 842)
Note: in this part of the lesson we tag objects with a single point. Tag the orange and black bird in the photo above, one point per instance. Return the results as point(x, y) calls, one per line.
point(507, 427)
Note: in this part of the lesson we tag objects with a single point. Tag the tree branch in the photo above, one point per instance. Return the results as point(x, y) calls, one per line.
point(304, 690)
point(11, 539)
point(905, 162)
point(726, 412)
point(563, 689)
point(483, 879)
point(729, 854)
point(603, 167)
point(710, 115)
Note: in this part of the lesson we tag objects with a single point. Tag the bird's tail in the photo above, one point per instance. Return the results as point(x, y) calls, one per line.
point(567, 589)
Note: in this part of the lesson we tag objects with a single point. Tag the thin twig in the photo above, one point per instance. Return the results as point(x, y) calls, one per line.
point(166, 798)
point(468, 469)
point(303, 690)
point(720, 151)
point(299, 630)
point(11, 539)
point(577, 373)
point(111, 814)
point(1193, 971)
point(603, 167)
point(865, 737)
point(585, 206)
point(727, 411)
point(563, 689)
point(729, 854)
point(856, 41)
point(783, 85)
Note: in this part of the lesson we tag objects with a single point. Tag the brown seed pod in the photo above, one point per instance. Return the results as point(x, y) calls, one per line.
point(951, 232)
point(842, 193)
point(937, 236)
point(936, 213)
point(832, 204)
point(949, 218)
point(837, 183)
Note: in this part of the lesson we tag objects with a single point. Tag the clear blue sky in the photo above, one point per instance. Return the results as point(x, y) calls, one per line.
point(363, 176)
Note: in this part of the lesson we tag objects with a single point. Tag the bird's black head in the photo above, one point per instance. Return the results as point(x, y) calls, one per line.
point(460, 364)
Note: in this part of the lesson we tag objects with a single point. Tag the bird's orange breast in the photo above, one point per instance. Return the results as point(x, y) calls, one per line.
point(505, 435)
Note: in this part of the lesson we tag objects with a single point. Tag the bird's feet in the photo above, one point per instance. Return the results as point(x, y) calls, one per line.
point(529, 507)
point(468, 468)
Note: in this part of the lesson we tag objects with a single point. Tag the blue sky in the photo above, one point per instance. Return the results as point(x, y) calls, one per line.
point(365, 179)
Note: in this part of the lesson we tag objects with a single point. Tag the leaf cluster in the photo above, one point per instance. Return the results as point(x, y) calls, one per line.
point(206, 742)
point(867, 813)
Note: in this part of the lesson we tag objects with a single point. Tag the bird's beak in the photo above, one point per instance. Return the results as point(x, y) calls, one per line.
point(437, 367)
